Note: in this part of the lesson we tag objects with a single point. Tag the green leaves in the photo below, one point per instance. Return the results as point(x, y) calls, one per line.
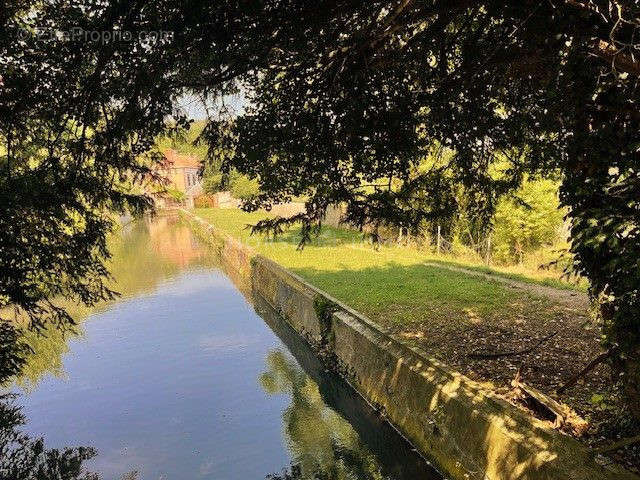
point(347, 109)
point(344, 103)
point(530, 220)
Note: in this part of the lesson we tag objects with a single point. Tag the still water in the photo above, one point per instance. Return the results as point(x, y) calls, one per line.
point(184, 378)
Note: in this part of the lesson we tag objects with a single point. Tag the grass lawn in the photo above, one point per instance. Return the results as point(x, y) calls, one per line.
point(236, 222)
point(397, 286)
point(389, 281)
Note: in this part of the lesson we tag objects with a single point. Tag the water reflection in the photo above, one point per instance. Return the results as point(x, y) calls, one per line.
point(24, 458)
point(180, 378)
point(322, 443)
point(144, 253)
point(332, 433)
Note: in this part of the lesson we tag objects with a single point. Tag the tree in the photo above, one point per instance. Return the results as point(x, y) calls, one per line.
point(526, 221)
point(550, 86)
point(77, 122)
point(85, 91)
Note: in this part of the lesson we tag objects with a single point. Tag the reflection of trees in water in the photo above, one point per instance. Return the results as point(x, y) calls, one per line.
point(140, 261)
point(24, 458)
point(46, 357)
point(323, 445)
point(144, 254)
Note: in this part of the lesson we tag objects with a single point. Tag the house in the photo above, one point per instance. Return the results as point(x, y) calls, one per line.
point(182, 171)
point(183, 181)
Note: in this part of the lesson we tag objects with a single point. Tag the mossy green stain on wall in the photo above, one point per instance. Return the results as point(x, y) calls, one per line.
point(324, 309)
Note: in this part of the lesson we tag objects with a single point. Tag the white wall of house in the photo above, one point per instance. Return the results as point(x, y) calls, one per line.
point(191, 177)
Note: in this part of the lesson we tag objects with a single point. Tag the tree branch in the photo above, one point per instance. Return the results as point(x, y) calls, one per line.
point(590, 366)
point(618, 60)
point(513, 353)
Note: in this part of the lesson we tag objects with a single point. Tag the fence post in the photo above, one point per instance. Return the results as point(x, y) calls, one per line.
point(438, 241)
point(488, 253)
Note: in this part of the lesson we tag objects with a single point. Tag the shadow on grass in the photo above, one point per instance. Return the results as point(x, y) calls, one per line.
point(328, 236)
point(579, 285)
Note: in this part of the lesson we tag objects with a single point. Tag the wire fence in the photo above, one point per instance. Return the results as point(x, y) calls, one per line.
point(482, 248)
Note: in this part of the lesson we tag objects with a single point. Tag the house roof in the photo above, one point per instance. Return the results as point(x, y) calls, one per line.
point(178, 160)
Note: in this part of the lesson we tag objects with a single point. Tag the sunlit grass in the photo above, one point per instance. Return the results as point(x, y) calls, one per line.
point(238, 223)
point(395, 284)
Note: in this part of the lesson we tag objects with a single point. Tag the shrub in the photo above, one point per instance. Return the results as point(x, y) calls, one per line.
point(243, 187)
point(527, 222)
point(212, 183)
point(176, 195)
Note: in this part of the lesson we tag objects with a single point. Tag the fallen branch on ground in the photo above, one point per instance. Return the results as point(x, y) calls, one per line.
point(512, 353)
point(619, 444)
point(590, 366)
point(543, 406)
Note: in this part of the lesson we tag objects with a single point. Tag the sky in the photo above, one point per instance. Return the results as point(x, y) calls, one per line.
point(196, 108)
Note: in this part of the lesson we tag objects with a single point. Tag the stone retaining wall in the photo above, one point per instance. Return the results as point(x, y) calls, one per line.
point(466, 430)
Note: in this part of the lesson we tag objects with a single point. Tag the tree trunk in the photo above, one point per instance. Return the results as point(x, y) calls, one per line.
point(631, 381)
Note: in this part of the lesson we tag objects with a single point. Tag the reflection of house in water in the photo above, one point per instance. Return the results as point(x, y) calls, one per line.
point(174, 243)
point(183, 175)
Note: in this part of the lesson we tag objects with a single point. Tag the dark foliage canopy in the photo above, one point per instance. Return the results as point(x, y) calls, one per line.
point(85, 90)
point(74, 117)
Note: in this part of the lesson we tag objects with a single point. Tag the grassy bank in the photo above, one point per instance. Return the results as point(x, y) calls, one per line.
point(449, 313)
point(396, 284)
point(236, 222)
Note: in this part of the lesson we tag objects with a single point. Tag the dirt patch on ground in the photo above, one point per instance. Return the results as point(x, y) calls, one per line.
point(562, 342)
point(574, 300)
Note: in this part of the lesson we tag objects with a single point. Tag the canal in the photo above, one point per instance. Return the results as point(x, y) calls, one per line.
point(185, 377)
